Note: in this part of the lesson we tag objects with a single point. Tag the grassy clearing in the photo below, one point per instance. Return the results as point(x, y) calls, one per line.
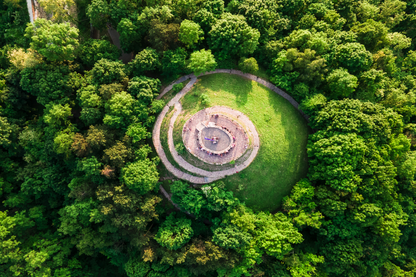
point(282, 158)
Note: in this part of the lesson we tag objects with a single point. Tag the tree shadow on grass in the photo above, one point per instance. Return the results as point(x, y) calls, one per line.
point(236, 85)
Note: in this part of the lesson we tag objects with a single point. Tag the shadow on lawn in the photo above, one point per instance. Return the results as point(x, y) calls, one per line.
point(232, 85)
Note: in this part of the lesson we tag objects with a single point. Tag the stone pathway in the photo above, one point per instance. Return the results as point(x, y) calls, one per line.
point(208, 176)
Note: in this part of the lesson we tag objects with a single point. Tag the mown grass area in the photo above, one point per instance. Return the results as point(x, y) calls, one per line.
point(282, 158)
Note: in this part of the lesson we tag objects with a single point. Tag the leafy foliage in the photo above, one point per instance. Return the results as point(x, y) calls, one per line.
point(190, 33)
point(61, 10)
point(56, 42)
point(174, 62)
point(141, 176)
point(47, 82)
point(94, 50)
point(201, 62)
point(106, 72)
point(145, 61)
point(248, 65)
point(174, 232)
point(232, 36)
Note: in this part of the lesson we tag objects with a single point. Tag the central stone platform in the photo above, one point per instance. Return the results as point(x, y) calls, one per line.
point(215, 138)
point(224, 140)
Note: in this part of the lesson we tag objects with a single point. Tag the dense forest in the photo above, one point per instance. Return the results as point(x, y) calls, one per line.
point(79, 179)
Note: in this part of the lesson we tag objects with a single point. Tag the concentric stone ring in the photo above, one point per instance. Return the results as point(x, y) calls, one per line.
point(215, 138)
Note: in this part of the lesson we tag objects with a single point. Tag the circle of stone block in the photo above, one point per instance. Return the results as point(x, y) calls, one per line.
point(223, 139)
point(226, 129)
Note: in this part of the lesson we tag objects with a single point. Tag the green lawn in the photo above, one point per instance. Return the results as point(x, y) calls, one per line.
point(282, 158)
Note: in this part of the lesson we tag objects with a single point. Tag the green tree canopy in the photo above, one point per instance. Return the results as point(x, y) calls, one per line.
point(56, 42)
point(174, 232)
point(341, 83)
point(144, 61)
point(190, 33)
point(174, 62)
point(140, 176)
point(354, 57)
point(248, 65)
point(106, 72)
point(94, 50)
point(47, 82)
point(201, 62)
point(372, 34)
point(98, 12)
point(232, 36)
point(145, 89)
point(120, 110)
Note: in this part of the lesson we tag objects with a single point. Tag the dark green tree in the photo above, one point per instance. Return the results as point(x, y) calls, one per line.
point(231, 36)
point(174, 232)
point(94, 50)
point(146, 60)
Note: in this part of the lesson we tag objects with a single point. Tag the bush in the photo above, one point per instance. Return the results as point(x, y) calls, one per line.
point(205, 100)
point(248, 65)
point(178, 87)
point(180, 148)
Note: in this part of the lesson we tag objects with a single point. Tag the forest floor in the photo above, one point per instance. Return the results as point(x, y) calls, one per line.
point(282, 158)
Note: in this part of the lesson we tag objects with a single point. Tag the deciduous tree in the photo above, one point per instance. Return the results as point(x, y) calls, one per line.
point(174, 232)
point(94, 50)
point(190, 33)
point(145, 61)
point(140, 176)
point(56, 42)
point(202, 61)
point(341, 83)
point(232, 36)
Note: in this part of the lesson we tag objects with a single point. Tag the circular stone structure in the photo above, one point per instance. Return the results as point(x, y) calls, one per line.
point(207, 176)
point(214, 138)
